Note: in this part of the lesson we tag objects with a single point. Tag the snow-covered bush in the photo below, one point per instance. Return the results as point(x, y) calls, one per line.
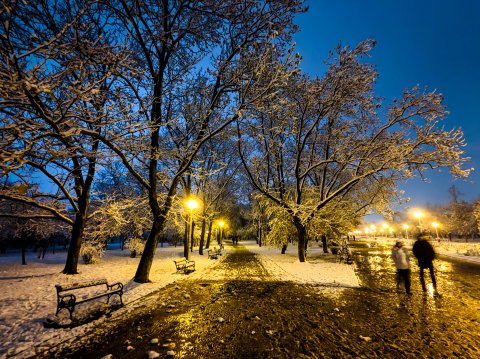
point(135, 246)
point(473, 252)
point(91, 252)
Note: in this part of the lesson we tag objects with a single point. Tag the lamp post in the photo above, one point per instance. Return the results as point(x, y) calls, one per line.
point(384, 229)
point(373, 230)
point(405, 227)
point(221, 224)
point(191, 204)
point(419, 215)
point(435, 225)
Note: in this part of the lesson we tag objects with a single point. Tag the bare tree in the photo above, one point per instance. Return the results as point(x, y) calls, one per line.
point(324, 140)
point(458, 217)
point(206, 59)
point(56, 82)
point(476, 213)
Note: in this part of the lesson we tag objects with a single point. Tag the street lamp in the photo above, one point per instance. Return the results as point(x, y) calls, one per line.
point(373, 230)
point(419, 215)
point(192, 204)
point(406, 227)
point(221, 224)
point(435, 225)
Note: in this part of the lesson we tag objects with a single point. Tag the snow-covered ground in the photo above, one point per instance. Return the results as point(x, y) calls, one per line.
point(28, 296)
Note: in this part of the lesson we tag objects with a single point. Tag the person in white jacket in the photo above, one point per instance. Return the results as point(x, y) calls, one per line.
point(401, 257)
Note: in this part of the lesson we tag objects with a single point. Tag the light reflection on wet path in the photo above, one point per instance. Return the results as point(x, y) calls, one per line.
point(437, 324)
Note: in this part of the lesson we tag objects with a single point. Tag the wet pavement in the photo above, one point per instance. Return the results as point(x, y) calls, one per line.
point(250, 315)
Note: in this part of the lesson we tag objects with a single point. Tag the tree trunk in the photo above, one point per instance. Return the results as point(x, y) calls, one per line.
point(324, 243)
point(202, 237)
point(284, 248)
point(186, 252)
point(302, 239)
point(209, 235)
point(122, 239)
point(143, 270)
point(71, 266)
point(192, 237)
point(83, 193)
point(24, 250)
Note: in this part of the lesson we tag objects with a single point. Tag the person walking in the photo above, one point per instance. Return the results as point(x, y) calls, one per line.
point(401, 258)
point(423, 251)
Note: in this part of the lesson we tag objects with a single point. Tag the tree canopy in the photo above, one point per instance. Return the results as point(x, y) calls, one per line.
point(166, 99)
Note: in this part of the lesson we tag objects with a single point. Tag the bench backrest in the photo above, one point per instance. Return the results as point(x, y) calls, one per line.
point(65, 287)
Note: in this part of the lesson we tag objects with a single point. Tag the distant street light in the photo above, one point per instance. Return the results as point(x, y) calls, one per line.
point(435, 225)
point(373, 230)
point(221, 224)
point(192, 204)
point(419, 215)
point(384, 228)
point(406, 227)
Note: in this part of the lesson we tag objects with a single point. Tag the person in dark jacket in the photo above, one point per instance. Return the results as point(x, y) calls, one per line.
point(423, 251)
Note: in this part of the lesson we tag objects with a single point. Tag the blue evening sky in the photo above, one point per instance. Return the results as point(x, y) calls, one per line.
point(432, 43)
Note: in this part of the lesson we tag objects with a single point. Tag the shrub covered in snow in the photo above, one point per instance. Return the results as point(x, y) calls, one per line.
point(135, 245)
point(473, 251)
point(91, 252)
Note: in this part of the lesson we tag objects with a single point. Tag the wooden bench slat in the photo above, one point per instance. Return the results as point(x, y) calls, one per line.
point(72, 286)
point(96, 296)
point(184, 265)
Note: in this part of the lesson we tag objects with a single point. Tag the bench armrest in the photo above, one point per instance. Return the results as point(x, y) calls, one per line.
point(115, 286)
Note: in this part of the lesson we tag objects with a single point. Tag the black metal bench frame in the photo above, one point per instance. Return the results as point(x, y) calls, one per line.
point(184, 265)
point(214, 253)
point(69, 300)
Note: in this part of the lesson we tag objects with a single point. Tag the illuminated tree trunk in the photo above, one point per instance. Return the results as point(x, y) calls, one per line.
point(302, 239)
point(202, 236)
point(209, 234)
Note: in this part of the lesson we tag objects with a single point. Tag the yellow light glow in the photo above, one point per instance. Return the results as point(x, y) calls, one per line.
point(192, 204)
point(221, 223)
point(406, 226)
point(418, 214)
point(435, 224)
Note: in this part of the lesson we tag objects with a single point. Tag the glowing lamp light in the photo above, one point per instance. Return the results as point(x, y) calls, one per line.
point(192, 204)
point(418, 214)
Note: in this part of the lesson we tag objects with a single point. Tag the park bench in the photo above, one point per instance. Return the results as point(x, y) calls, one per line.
point(184, 265)
point(214, 253)
point(67, 299)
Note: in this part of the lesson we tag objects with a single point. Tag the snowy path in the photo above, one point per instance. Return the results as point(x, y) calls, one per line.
point(27, 293)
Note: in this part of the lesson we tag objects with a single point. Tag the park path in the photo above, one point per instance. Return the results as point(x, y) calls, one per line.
point(235, 309)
